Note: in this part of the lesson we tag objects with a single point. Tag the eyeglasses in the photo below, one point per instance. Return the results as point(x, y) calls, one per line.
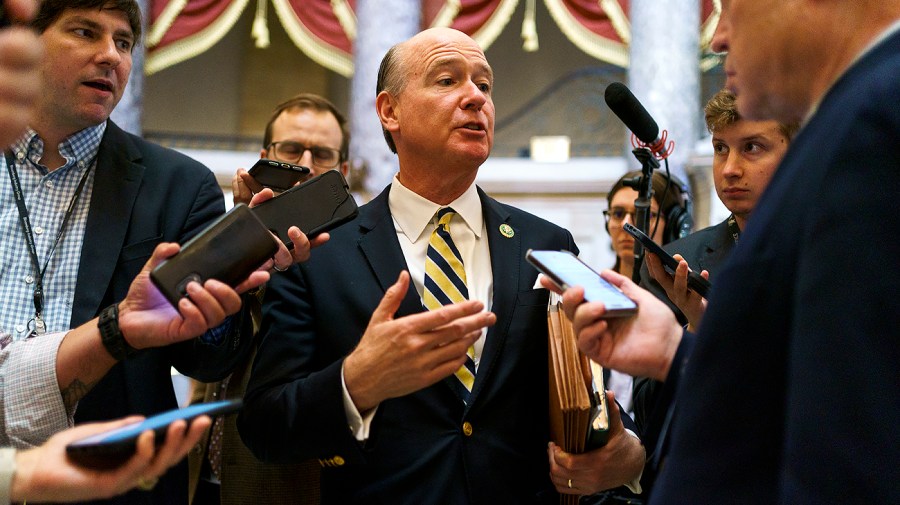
point(291, 152)
point(617, 215)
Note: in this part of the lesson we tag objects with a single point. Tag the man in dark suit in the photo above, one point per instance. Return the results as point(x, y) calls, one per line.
point(99, 201)
point(371, 388)
point(788, 393)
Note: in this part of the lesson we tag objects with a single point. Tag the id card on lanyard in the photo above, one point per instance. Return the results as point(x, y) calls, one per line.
point(40, 326)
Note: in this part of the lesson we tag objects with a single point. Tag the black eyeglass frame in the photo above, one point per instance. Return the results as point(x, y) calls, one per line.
point(272, 149)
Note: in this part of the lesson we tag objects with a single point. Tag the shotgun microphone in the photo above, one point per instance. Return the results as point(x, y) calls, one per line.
point(624, 104)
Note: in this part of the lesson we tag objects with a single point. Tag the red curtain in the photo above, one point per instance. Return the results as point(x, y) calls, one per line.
point(325, 29)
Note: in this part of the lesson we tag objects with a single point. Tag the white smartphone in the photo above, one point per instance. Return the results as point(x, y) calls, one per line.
point(566, 270)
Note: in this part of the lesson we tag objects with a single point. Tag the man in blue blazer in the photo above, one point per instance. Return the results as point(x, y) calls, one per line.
point(788, 393)
point(369, 387)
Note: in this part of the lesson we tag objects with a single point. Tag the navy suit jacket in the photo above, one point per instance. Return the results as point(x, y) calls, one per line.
point(418, 451)
point(143, 194)
point(790, 395)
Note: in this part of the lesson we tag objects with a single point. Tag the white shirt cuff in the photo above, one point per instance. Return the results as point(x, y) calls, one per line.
point(635, 485)
point(359, 424)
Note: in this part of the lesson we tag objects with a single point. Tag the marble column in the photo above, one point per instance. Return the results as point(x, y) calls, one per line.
point(665, 70)
point(127, 113)
point(380, 25)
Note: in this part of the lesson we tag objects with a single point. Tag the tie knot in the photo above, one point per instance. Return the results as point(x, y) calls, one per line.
point(444, 216)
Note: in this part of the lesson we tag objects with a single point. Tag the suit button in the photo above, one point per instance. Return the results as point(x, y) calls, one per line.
point(467, 428)
point(338, 461)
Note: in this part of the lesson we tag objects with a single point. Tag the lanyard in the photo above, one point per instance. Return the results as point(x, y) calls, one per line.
point(39, 326)
point(734, 229)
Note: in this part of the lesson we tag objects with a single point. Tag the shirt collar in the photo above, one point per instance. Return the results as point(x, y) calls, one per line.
point(80, 146)
point(413, 213)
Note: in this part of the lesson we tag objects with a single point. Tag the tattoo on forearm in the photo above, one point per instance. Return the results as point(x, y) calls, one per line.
point(75, 392)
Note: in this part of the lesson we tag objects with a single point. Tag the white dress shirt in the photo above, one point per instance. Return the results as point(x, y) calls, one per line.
point(415, 218)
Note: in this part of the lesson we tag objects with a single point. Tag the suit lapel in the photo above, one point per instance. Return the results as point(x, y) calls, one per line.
point(116, 184)
point(379, 245)
point(506, 254)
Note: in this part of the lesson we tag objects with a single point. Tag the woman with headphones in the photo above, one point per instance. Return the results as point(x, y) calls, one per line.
point(672, 223)
point(666, 225)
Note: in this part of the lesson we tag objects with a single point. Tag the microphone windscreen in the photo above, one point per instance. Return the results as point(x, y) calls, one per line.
point(624, 104)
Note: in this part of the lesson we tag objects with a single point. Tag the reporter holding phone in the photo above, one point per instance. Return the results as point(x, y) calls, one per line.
point(745, 156)
point(38, 372)
point(306, 130)
point(667, 200)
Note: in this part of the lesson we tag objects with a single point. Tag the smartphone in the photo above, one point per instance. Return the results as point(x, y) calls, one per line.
point(566, 270)
point(318, 205)
point(113, 448)
point(695, 281)
point(229, 250)
point(278, 175)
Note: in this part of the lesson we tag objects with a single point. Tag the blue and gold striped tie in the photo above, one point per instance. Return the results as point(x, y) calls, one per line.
point(445, 283)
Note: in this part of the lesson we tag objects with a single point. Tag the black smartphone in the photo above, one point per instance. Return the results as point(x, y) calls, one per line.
point(696, 282)
point(318, 205)
point(278, 175)
point(113, 448)
point(566, 270)
point(229, 250)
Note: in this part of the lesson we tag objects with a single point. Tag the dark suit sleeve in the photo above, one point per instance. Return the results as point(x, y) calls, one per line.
point(212, 356)
point(294, 404)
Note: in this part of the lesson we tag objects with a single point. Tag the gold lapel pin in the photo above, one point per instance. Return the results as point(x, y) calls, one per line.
point(506, 230)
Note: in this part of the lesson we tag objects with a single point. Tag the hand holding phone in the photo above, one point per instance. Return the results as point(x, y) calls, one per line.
point(113, 448)
point(566, 270)
point(229, 250)
point(278, 175)
point(695, 281)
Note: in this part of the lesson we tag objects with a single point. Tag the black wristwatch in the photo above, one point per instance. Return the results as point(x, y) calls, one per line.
point(111, 335)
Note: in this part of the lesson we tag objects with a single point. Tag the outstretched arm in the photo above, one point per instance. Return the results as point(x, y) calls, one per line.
point(146, 319)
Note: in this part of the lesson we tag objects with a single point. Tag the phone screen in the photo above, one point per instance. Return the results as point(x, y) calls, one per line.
point(566, 270)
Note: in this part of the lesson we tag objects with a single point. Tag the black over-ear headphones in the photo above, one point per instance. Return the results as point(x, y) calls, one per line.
point(676, 204)
point(678, 209)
